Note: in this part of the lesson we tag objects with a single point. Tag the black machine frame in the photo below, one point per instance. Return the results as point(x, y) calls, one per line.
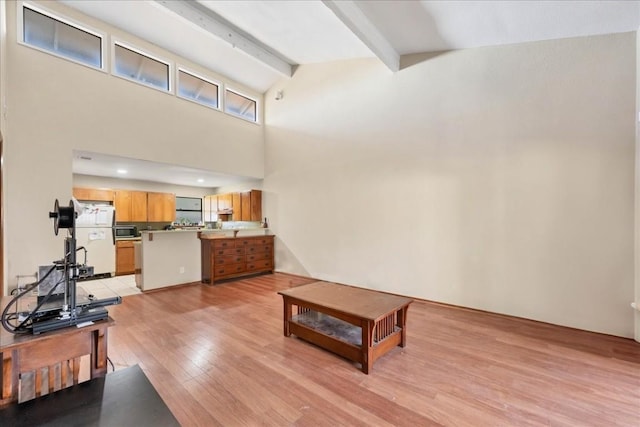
point(65, 311)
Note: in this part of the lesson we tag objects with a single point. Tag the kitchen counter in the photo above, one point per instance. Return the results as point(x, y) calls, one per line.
point(172, 257)
point(190, 230)
point(232, 232)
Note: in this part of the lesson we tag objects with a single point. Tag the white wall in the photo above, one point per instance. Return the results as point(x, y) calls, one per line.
point(171, 258)
point(55, 106)
point(497, 178)
point(637, 194)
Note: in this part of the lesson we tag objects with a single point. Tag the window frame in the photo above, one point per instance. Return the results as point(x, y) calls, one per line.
point(244, 95)
point(126, 45)
point(201, 77)
point(103, 36)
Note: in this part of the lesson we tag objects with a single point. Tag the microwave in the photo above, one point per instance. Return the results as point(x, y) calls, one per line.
point(125, 231)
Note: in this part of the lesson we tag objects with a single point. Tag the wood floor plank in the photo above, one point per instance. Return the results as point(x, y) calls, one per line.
point(218, 357)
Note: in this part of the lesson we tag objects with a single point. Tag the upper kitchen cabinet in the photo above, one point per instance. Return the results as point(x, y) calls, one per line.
point(225, 203)
point(236, 205)
point(256, 205)
point(245, 202)
point(139, 206)
point(210, 208)
point(251, 202)
point(93, 194)
point(122, 203)
point(161, 207)
point(131, 206)
point(239, 206)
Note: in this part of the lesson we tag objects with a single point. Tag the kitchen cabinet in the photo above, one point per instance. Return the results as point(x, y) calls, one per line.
point(161, 207)
point(210, 208)
point(246, 206)
point(93, 194)
point(225, 207)
point(225, 202)
point(245, 200)
point(125, 258)
point(139, 206)
point(256, 205)
point(131, 206)
point(122, 203)
point(236, 205)
point(224, 258)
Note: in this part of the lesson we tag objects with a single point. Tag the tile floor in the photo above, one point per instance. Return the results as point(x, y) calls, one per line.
point(119, 285)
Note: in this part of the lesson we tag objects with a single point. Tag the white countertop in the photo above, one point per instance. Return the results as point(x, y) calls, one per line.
point(224, 231)
point(235, 231)
point(190, 230)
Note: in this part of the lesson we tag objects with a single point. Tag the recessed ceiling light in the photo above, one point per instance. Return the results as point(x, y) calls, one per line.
point(200, 180)
point(122, 171)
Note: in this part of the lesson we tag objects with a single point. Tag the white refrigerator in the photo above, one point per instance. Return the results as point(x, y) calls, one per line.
point(94, 231)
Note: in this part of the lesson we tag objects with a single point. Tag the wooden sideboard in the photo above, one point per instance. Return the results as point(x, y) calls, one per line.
point(229, 257)
point(50, 361)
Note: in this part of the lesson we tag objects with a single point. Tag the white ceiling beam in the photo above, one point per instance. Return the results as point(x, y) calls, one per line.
point(355, 19)
point(208, 20)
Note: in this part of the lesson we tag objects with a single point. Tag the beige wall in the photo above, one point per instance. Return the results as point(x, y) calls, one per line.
point(637, 205)
point(170, 259)
point(497, 178)
point(55, 106)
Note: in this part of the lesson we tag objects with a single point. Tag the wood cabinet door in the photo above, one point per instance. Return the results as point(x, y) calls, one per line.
point(125, 258)
point(245, 198)
point(81, 193)
point(138, 206)
point(256, 205)
point(93, 194)
point(236, 205)
point(122, 204)
point(161, 207)
point(210, 208)
point(101, 195)
point(225, 202)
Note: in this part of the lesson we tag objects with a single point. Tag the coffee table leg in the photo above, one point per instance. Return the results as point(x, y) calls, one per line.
point(286, 316)
point(367, 346)
point(402, 324)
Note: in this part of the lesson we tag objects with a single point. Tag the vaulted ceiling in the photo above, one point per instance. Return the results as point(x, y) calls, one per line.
point(258, 42)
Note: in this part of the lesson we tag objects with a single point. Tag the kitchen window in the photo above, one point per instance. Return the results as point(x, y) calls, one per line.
point(60, 37)
point(188, 210)
point(240, 105)
point(197, 89)
point(138, 67)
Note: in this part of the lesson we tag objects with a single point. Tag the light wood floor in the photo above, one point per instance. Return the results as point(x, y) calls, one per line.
point(217, 356)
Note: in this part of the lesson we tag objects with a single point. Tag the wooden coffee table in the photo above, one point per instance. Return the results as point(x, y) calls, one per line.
point(358, 324)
